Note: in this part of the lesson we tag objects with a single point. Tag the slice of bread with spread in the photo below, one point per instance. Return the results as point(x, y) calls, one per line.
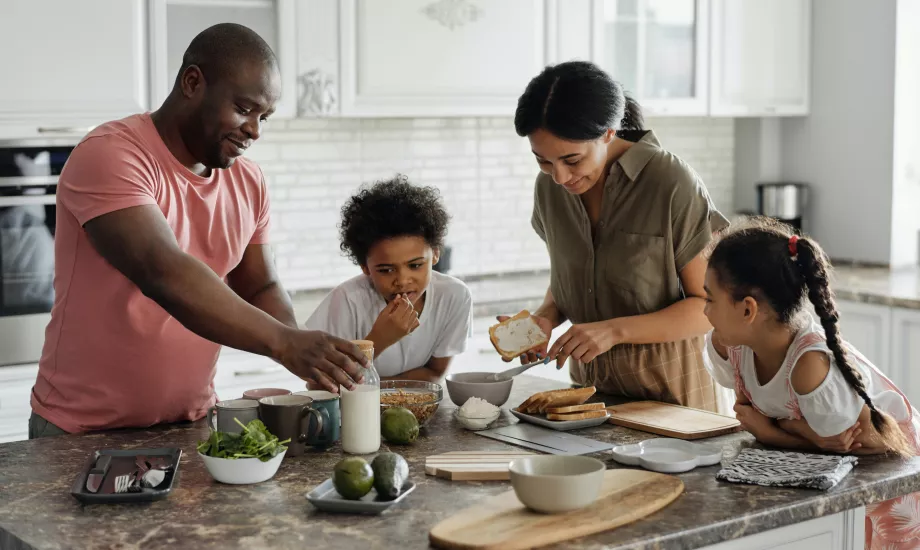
point(517, 335)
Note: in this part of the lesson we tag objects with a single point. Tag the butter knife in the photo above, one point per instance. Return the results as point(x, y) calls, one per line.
point(97, 473)
point(508, 374)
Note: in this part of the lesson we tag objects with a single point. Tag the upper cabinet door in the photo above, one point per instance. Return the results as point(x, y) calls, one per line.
point(761, 57)
point(174, 23)
point(64, 61)
point(658, 50)
point(438, 57)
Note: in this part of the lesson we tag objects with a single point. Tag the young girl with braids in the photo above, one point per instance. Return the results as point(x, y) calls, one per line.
point(798, 384)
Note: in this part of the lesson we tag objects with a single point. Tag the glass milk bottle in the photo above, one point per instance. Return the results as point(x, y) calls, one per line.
point(361, 409)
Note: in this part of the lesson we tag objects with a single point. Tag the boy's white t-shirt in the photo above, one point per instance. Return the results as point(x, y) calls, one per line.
point(445, 325)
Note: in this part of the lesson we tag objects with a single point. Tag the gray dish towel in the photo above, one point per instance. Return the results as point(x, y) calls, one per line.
point(787, 469)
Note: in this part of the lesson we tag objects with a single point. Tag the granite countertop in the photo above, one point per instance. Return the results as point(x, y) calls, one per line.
point(899, 287)
point(37, 510)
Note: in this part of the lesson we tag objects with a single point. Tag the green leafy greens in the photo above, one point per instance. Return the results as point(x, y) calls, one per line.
point(255, 441)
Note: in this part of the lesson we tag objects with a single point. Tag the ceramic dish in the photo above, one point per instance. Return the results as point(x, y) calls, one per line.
point(123, 462)
point(242, 471)
point(560, 425)
point(324, 497)
point(557, 484)
point(668, 456)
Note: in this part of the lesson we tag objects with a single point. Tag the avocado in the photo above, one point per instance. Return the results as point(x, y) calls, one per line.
point(390, 474)
point(398, 425)
point(353, 478)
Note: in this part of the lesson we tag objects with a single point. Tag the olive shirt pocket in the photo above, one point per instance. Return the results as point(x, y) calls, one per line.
point(636, 265)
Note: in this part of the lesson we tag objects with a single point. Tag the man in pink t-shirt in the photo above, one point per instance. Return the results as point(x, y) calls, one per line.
point(161, 255)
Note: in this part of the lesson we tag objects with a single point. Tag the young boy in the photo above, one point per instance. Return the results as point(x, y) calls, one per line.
point(417, 318)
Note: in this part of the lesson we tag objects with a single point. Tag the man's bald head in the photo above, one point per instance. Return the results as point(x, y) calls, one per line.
point(229, 85)
point(220, 49)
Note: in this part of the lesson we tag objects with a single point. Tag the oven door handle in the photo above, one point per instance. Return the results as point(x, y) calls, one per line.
point(27, 200)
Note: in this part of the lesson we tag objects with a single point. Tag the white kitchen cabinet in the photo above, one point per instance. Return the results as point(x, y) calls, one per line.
point(868, 328)
point(174, 23)
point(905, 351)
point(418, 58)
point(438, 57)
point(15, 393)
point(658, 50)
point(760, 57)
point(840, 531)
point(70, 65)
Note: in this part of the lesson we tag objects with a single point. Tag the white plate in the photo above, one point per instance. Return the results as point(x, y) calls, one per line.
point(560, 425)
point(668, 456)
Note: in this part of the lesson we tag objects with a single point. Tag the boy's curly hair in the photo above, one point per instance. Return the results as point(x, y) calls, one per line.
point(391, 208)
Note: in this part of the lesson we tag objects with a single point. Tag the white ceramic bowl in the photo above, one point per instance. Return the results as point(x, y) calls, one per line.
point(463, 385)
point(241, 471)
point(557, 484)
point(477, 423)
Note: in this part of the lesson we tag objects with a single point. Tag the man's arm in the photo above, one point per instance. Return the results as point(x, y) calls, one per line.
point(256, 281)
point(139, 243)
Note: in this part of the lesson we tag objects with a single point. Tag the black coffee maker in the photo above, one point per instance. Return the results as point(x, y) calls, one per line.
point(783, 201)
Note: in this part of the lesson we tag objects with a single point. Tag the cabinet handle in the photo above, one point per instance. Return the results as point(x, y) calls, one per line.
point(65, 129)
point(254, 372)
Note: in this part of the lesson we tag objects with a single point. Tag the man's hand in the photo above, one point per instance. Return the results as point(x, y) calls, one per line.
point(322, 358)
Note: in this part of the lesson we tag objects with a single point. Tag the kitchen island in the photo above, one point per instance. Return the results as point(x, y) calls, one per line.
point(37, 510)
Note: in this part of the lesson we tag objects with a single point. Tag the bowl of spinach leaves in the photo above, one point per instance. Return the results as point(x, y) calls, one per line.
point(251, 456)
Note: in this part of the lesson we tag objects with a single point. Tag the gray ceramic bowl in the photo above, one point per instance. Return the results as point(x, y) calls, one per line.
point(463, 385)
point(557, 484)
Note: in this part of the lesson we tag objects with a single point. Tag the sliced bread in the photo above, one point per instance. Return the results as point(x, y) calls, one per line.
point(585, 415)
point(540, 402)
point(517, 335)
point(576, 408)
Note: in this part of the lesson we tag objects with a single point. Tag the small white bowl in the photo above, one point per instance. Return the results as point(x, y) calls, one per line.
point(476, 423)
point(241, 471)
point(557, 484)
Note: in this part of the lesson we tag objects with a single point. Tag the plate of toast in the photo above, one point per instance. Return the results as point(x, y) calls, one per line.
point(562, 410)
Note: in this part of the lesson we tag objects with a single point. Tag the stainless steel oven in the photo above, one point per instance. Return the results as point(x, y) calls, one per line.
point(29, 172)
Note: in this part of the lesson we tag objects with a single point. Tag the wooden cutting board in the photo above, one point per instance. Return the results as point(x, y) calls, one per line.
point(502, 522)
point(472, 465)
point(671, 420)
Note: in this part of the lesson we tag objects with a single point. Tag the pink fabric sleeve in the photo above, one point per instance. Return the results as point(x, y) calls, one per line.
point(263, 224)
point(105, 174)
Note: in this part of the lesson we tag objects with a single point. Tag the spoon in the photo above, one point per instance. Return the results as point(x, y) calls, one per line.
point(508, 374)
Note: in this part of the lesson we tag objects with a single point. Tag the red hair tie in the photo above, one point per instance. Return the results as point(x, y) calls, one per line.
point(793, 246)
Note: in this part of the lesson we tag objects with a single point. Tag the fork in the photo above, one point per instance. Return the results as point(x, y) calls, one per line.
point(124, 482)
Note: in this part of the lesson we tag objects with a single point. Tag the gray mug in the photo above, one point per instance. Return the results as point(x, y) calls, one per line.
point(328, 402)
point(221, 415)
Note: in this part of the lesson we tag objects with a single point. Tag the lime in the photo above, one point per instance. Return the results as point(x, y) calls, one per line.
point(353, 477)
point(398, 425)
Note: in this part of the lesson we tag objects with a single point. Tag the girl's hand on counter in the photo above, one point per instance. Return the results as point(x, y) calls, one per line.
point(753, 421)
point(584, 342)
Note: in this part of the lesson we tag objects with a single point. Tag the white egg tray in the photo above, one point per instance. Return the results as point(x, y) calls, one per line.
point(668, 456)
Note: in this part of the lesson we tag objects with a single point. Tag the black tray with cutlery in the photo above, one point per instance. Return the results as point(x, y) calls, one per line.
point(135, 475)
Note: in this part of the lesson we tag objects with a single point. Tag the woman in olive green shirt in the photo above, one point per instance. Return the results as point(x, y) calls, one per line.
point(625, 223)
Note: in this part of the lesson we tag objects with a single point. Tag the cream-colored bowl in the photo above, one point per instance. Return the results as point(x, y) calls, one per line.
point(557, 484)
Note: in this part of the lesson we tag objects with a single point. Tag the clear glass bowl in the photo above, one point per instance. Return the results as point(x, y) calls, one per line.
point(422, 398)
